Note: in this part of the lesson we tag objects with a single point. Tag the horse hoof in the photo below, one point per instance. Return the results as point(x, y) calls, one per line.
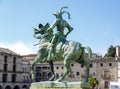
point(51, 79)
point(58, 80)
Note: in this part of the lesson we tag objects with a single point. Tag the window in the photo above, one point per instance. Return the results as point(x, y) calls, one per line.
point(110, 64)
point(91, 65)
point(23, 78)
point(5, 58)
point(57, 67)
point(13, 78)
point(72, 65)
point(62, 67)
point(77, 73)
point(4, 78)
point(5, 63)
point(14, 68)
point(5, 67)
point(106, 84)
point(14, 60)
point(101, 64)
point(30, 76)
point(82, 65)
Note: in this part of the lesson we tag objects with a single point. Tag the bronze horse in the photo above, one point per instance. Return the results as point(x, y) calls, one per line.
point(65, 51)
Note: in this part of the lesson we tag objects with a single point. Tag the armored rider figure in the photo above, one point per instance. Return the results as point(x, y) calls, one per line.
point(59, 36)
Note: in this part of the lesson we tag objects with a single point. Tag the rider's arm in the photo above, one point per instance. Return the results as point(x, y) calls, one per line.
point(69, 29)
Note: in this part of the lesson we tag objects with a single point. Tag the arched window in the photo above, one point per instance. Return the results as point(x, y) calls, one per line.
point(16, 87)
point(7, 87)
point(24, 87)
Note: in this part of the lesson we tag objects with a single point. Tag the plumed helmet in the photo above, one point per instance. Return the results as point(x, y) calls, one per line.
point(59, 14)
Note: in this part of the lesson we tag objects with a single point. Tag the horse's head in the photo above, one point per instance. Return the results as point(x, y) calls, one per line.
point(43, 33)
point(41, 29)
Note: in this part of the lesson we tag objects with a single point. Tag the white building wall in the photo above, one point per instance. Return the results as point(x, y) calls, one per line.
point(119, 71)
point(114, 85)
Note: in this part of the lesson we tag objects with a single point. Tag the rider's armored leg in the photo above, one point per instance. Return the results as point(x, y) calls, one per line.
point(52, 46)
point(50, 53)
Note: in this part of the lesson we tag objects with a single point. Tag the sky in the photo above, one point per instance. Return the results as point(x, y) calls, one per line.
point(96, 23)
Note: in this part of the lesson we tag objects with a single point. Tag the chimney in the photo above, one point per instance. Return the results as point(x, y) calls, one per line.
point(117, 51)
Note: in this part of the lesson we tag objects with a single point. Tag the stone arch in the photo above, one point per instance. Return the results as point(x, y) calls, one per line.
point(7, 87)
point(24, 87)
point(16, 87)
point(0, 87)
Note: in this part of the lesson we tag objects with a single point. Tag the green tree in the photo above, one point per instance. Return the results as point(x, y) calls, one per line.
point(111, 52)
point(93, 82)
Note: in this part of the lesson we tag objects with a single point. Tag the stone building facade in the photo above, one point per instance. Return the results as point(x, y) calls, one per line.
point(26, 72)
point(118, 58)
point(42, 70)
point(11, 70)
point(104, 69)
point(119, 71)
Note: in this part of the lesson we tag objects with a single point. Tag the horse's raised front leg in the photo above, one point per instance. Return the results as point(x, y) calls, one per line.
point(36, 60)
point(68, 69)
point(52, 70)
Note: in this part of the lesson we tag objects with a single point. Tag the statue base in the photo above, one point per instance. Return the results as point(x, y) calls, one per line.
point(59, 85)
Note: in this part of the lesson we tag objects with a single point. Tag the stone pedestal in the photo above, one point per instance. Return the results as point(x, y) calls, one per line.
point(59, 85)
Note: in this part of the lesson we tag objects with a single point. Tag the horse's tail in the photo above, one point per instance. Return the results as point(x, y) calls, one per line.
point(89, 52)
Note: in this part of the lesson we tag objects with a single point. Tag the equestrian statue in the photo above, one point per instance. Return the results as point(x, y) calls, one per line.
point(55, 47)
